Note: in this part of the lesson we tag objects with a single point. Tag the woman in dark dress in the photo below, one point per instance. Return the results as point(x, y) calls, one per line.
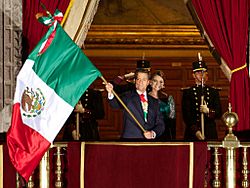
point(167, 105)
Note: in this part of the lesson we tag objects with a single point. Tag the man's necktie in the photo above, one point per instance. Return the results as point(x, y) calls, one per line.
point(144, 106)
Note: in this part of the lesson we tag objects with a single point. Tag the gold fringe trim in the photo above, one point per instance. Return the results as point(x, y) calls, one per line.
point(1, 165)
point(191, 164)
point(82, 165)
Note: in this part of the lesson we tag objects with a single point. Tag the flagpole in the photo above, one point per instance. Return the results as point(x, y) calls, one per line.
point(77, 126)
point(78, 122)
point(126, 108)
point(202, 100)
point(44, 7)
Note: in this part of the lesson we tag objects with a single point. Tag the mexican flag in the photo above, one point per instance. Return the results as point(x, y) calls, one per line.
point(49, 85)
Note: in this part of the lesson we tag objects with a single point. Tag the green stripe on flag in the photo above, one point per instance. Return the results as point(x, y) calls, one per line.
point(64, 67)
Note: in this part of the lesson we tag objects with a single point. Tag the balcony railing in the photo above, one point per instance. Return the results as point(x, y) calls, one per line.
point(226, 163)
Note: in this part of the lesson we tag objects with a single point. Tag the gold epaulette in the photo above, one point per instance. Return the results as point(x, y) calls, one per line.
point(217, 88)
point(97, 89)
point(184, 88)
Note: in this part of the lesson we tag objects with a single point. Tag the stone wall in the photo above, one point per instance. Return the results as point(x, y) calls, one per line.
point(10, 56)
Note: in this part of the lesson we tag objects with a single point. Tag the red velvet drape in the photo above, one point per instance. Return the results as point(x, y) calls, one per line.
point(32, 29)
point(9, 172)
point(226, 23)
point(123, 166)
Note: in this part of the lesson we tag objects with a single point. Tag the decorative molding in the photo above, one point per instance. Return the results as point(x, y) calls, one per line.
point(17, 14)
point(144, 36)
point(10, 56)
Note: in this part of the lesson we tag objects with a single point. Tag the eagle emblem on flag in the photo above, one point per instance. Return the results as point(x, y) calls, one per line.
point(33, 102)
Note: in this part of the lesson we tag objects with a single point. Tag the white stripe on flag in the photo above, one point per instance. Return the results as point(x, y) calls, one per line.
point(56, 110)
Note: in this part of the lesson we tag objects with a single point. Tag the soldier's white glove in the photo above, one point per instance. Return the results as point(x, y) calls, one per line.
point(74, 135)
point(199, 135)
point(79, 108)
point(204, 108)
point(129, 75)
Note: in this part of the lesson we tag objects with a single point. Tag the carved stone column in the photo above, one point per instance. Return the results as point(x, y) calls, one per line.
point(10, 56)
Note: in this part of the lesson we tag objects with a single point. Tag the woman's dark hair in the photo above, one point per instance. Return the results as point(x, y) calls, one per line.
point(158, 73)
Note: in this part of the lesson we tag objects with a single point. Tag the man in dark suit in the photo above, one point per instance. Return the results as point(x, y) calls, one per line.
point(144, 108)
point(192, 107)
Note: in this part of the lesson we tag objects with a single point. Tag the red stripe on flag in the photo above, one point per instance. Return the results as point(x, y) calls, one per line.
point(48, 42)
point(26, 146)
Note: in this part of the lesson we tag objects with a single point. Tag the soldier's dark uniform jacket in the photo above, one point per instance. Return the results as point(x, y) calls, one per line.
point(191, 101)
point(88, 126)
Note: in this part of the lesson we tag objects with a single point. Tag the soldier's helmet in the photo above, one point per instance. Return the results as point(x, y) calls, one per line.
point(143, 65)
point(199, 66)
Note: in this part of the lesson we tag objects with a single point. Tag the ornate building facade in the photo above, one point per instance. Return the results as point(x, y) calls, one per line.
point(10, 56)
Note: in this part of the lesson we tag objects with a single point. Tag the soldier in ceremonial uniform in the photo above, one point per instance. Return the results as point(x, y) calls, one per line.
point(90, 109)
point(192, 107)
point(126, 82)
